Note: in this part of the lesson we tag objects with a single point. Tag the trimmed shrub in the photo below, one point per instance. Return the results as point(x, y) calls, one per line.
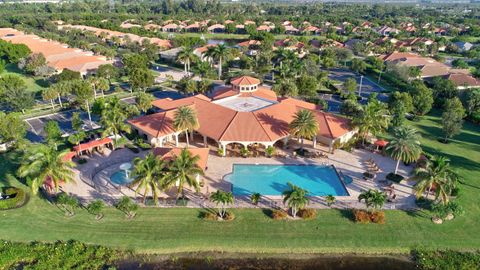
point(361, 216)
point(279, 214)
point(446, 259)
point(229, 216)
point(17, 198)
point(209, 216)
point(378, 217)
point(307, 213)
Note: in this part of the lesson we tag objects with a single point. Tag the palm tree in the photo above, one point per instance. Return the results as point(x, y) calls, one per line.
point(373, 198)
point(223, 199)
point(219, 53)
point(185, 118)
point(437, 173)
point(373, 119)
point(98, 83)
point(43, 163)
point(304, 125)
point(84, 95)
point(148, 175)
point(113, 118)
point(280, 55)
point(295, 197)
point(405, 145)
point(255, 197)
point(184, 170)
point(187, 56)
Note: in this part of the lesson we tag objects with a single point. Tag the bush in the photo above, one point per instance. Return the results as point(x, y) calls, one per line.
point(229, 216)
point(307, 213)
point(394, 177)
point(361, 216)
point(279, 214)
point(17, 198)
point(446, 259)
point(209, 216)
point(82, 161)
point(378, 217)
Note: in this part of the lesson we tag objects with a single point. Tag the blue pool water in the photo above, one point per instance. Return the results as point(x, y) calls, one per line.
point(120, 178)
point(272, 179)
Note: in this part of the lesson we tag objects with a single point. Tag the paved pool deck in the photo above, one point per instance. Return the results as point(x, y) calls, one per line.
point(93, 178)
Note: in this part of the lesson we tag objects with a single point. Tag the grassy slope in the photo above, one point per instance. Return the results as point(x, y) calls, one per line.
point(179, 230)
point(33, 85)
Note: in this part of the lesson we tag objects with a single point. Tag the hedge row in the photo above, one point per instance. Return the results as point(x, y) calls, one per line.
point(18, 197)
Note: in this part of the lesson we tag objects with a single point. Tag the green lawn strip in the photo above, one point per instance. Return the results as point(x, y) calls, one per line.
point(180, 229)
point(33, 84)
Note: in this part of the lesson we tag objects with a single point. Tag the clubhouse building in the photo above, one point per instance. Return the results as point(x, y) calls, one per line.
point(243, 112)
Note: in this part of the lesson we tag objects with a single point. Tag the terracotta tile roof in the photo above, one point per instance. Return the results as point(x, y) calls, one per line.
point(249, 43)
point(264, 28)
point(155, 125)
point(460, 79)
point(245, 80)
point(245, 127)
point(216, 26)
point(171, 153)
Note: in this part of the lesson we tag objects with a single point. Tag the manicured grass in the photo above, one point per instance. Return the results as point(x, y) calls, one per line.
point(33, 84)
point(180, 230)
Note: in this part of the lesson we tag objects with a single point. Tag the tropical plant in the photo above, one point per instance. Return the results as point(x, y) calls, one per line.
point(113, 118)
point(96, 208)
point(222, 199)
point(304, 125)
point(437, 174)
point(452, 117)
point(255, 197)
point(144, 101)
point(295, 197)
point(330, 200)
point(187, 56)
point(185, 119)
point(84, 95)
point(404, 146)
point(219, 53)
point(373, 119)
point(98, 83)
point(374, 199)
point(126, 205)
point(270, 151)
point(69, 203)
point(184, 170)
point(148, 174)
point(42, 163)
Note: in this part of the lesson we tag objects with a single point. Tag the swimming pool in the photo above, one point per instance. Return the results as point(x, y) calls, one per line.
point(272, 179)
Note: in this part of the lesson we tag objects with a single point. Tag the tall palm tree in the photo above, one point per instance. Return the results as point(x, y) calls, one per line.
point(185, 118)
point(405, 145)
point(187, 56)
point(148, 175)
point(223, 199)
point(98, 83)
point(280, 55)
point(437, 173)
point(43, 163)
point(372, 120)
point(373, 198)
point(304, 125)
point(84, 95)
point(295, 197)
point(219, 53)
point(184, 170)
point(113, 118)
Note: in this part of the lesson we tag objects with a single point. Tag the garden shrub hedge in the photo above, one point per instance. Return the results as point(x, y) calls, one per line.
point(446, 259)
point(307, 213)
point(18, 198)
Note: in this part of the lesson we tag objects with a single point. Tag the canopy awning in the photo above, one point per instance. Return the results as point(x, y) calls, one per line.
point(92, 144)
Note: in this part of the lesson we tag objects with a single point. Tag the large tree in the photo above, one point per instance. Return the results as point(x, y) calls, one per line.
point(452, 118)
point(12, 128)
point(183, 170)
point(219, 53)
point(114, 116)
point(373, 118)
point(304, 125)
point(144, 101)
point(14, 93)
point(42, 163)
point(404, 146)
point(187, 57)
point(438, 175)
point(84, 96)
point(422, 97)
point(148, 175)
point(185, 119)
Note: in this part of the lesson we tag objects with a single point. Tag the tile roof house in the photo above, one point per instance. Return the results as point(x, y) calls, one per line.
point(171, 27)
point(463, 81)
point(243, 112)
point(429, 67)
point(216, 28)
point(387, 31)
point(58, 56)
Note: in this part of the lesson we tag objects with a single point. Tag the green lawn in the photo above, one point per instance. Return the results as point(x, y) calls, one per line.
point(33, 84)
point(180, 230)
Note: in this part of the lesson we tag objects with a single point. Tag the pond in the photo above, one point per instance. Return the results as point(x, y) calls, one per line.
point(318, 262)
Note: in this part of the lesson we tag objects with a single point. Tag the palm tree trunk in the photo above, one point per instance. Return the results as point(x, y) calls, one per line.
point(89, 116)
point(51, 102)
point(60, 100)
point(219, 68)
point(396, 167)
point(186, 136)
point(94, 91)
point(185, 66)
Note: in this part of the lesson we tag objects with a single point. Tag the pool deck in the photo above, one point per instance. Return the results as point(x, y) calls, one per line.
point(93, 179)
